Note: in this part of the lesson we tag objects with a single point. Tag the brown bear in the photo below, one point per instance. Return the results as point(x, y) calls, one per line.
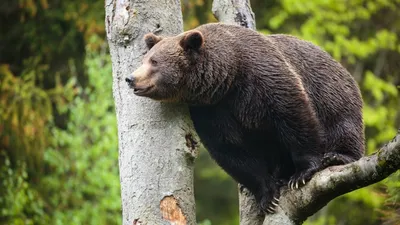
point(271, 109)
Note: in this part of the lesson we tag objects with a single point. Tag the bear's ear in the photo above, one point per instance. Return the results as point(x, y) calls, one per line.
point(151, 40)
point(192, 40)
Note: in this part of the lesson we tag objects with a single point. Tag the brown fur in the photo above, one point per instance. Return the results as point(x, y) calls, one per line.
point(270, 109)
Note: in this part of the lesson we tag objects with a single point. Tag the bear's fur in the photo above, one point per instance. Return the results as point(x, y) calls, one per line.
point(271, 110)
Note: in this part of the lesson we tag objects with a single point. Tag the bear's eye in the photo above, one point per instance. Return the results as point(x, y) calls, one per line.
point(153, 62)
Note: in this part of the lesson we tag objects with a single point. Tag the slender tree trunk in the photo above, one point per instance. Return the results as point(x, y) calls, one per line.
point(239, 12)
point(156, 143)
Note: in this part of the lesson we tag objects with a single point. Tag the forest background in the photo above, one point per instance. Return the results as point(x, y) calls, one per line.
point(58, 130)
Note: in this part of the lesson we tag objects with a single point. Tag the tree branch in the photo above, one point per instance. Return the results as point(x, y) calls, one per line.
point(296, 205)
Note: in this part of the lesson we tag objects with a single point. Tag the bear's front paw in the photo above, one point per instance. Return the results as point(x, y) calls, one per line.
point(300, 179)
point(332, 159)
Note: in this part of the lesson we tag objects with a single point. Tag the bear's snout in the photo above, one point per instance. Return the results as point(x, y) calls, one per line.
point(140, 85)
point(130, 80)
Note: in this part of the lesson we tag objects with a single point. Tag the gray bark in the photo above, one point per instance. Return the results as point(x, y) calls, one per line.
point(234, 12)
point(296, 205)
point(249, 212)
point(157, 147)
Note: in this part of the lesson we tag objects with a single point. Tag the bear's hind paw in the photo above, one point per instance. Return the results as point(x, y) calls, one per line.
point(270, 206)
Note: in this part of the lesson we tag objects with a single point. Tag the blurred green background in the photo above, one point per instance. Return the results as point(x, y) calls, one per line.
point(58, 135)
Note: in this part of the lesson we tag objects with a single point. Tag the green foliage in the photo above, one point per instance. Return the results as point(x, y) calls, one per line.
point(42, 47)
point(80, 183)
point(216, 193)
point(196, 12)
point(46, 34)
point(379, 119)
point(205, 222)
point(27, 113)
point(390, 212)
point(82, 162)
point(20, 204)
point(60, 158)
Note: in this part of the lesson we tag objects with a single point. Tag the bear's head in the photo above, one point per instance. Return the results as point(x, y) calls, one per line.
point(164, 72)
point(184, 68)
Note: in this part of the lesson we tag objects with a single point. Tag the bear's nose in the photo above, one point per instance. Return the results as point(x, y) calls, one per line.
point(130, 80)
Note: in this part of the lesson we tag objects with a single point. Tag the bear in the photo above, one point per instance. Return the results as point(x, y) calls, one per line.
point(272, 110)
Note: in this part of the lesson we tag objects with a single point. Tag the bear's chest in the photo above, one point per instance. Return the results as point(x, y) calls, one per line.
point(217, 127)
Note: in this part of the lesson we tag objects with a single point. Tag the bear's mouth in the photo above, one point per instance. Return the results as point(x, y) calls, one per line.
point(140, 91)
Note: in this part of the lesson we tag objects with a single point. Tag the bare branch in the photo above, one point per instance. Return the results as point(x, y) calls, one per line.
point(296, 205)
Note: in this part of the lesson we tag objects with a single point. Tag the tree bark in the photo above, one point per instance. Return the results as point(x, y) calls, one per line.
point(296, 205)
point(157, 147)
point(237, 12)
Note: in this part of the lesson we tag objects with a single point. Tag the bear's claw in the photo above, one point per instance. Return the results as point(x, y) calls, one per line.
point(275, 203)
point(300, 179)
point(270, 207)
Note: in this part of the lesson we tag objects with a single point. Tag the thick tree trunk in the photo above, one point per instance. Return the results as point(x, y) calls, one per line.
point(156, 144)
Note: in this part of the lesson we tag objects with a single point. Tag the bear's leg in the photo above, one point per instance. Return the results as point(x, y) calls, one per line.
point(306, 167)
point(345, 141)
point(269, 197)
point(298, 129)
point(251, 172)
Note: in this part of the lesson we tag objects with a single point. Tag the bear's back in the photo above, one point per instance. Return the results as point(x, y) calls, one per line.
point(332, 90)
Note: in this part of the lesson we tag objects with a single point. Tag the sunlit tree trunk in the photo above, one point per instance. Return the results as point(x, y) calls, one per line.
point(156, 144)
